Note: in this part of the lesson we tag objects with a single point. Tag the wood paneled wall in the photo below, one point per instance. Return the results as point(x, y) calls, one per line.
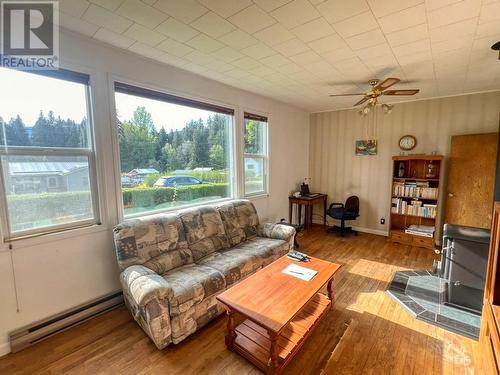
point(336, 170)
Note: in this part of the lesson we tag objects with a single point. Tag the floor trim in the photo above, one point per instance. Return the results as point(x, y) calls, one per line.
point(4, 348)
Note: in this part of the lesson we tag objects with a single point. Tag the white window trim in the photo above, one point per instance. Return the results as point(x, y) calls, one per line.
point(264, 156)
point(90, 153)
point(234, 138)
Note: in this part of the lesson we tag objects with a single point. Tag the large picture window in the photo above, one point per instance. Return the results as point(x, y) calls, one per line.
point(173, 151)
point(46, 152)
point(255, 154)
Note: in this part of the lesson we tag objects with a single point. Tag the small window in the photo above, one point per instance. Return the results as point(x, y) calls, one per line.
point(255, 154)
point(46, 152)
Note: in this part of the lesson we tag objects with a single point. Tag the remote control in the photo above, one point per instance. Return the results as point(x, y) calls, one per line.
point(296, 255)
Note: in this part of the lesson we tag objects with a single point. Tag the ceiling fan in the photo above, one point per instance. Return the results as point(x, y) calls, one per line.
point(380, 88)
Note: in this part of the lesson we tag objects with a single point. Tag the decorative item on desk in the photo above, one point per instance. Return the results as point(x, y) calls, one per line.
point(366, 147)
point(304, 187)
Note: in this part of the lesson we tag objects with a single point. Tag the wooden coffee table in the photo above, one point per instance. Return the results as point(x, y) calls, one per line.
point(278, 312)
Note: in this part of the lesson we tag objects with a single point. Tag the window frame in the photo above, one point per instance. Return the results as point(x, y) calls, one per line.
point(233, 139)
point(89, 152)
point(264, 156)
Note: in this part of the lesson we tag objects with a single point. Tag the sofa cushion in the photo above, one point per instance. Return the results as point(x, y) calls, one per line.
point(205, 232)
point(267, 249)
point(159, 237)
point(240, 220)
point(191, 284)
point(233, 264)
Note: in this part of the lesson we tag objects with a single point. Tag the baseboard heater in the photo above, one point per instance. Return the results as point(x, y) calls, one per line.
point(41, 330)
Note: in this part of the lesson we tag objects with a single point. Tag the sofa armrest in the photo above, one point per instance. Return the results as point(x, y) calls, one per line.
point(143, 285)
point(277, 231)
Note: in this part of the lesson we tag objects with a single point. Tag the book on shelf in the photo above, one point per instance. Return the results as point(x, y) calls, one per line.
point(419, 189)
point(421, 230)
point(414, 208)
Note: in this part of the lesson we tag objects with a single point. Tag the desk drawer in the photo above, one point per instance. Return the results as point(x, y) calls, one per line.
point(400, 237)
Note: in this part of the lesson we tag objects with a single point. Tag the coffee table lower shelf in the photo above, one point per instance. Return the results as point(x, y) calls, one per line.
point(252, 341)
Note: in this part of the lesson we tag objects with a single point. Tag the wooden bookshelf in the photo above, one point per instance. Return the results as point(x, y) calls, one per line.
point(414, 197)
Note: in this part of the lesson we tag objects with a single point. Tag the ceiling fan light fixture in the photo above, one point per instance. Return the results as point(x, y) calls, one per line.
point(496, 47)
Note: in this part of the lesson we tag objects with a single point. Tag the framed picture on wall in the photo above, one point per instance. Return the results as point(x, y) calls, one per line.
point(366, 147)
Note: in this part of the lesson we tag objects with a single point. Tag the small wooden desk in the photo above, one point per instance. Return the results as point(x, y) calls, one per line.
point(308, 203)
point(279, 312)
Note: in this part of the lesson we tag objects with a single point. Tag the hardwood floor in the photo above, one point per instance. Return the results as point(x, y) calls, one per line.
point(365, 333)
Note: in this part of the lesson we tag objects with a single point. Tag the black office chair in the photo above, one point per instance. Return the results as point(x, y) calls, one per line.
point(339, 211)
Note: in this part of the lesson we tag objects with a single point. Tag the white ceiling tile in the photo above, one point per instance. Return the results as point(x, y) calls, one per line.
point(226, 8)
point(171, 60)
point(375, 51)
point(305, 58)
point(275, 61)
point(335, 10)
point(436, 4)
point(246, 63)
point(413, 58)
point(313, 30)
point(269, 5)
point(114, 39)
point(412, 34)
point(141, 13)
point(219, 66)
point(74, 8)
point(186, 10)
point(174, 48)
point(77, 25)
point(177, 30)
point(290, 68)
point(384, 7)
point(490, 12)
point(108, 4)
point(145, 50)
point(423, 45)
point(352, 66)
point(368, 39)
point(381, 62)
point(485, 43)
point(454, 58)
point(204, 43)
point(144, 35)
point(356, 25)
point(403, 19)
point(462, 28)
point(338, 55)
point(329, 43)
point(454, 13)
point(199, 57)
point(419, 71)
point(252, 19)
point(451, 44)
point(237, 73)
point(291, 47)
point(262, 71)
point(228, 54)
point(258, 51)
point(213, 25)
point(149, 2)
point(104, 18)
point(295, 13)
point(238, 39)
point(274, 34)
point(488, 29)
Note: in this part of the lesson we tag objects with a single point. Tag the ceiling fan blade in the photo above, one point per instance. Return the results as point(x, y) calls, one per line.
point(362, 101)
point(388, 82)
point(401, 92)
point(348, 94)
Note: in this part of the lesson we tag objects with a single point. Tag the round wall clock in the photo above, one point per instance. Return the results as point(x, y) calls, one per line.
point(407, 142)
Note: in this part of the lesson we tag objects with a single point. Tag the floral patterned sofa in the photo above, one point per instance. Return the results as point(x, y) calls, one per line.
point(174, 265)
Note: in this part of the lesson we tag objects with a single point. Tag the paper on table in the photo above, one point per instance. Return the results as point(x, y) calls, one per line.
point(299, 272)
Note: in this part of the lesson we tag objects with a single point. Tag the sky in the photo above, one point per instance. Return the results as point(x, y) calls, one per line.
point(27, 94)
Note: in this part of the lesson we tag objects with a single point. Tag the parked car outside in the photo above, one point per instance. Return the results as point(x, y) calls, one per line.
point(173, 181)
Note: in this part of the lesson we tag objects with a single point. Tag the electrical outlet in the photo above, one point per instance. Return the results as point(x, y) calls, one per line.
point(382, 220)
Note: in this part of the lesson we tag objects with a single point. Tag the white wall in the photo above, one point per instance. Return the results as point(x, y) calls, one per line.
point(57, 272)
point(336, 170)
